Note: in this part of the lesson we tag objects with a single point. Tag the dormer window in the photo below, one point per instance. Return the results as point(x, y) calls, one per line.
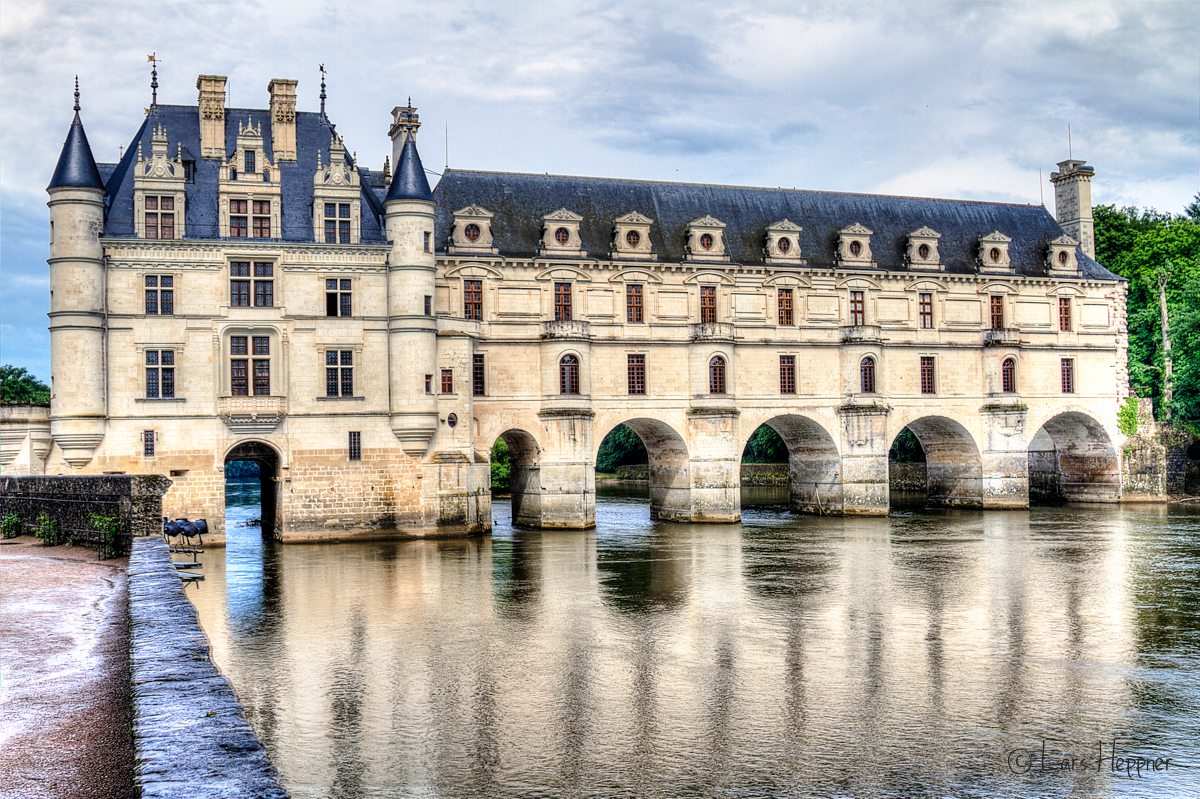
point(1060, 258)
point(562, 236)
point(337, 223)
point(783, 243)
point(471, 232)
point(266, 176)
point(238, 227)
point(706, 239)
point(337, 193)
point(189, 171)
point(993, 253)
point(160, 217)
point(249, 162)
point(923, 252)
point(633, 238)
point(854, 246)
point(262, 219)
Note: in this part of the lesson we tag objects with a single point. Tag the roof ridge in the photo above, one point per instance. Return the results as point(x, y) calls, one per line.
point(741, 187)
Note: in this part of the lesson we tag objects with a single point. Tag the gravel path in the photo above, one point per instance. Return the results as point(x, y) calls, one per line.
point(66, 722)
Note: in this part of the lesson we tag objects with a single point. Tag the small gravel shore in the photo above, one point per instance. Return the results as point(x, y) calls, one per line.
point(66, 723)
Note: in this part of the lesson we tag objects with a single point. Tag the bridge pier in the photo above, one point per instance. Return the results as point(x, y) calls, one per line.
point(715, 465)
point(1005, 457)
point(864, 474)
point(565, 495)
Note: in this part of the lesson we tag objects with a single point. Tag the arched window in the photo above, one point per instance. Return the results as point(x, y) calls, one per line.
point(1008, 376)
point(716, 375)
point(866, 373)
point(568, 375)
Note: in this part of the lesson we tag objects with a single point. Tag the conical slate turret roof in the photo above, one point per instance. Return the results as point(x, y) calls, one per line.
point(76, 166)
point(409, 182)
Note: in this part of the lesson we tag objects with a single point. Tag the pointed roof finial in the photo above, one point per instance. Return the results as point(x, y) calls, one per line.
point(76, 94)
point(153, 59)
point(322, 91)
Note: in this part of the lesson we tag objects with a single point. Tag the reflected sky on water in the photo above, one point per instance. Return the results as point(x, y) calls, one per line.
point(906, 656)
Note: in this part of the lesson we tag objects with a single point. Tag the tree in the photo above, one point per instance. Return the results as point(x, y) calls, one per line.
point(501, 465)
point(620, 447)
point(18, 385)
point(765, 446)
point(906, 448)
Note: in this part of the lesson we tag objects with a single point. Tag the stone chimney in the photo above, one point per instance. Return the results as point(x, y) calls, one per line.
point(404, 126)
point(1073, 202)
point(212, 115)
point(283, 118)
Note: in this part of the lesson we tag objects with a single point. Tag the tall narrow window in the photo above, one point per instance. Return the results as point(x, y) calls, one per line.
point(262, 219)
point(151, 217)
point(355, 445)
point(997, 312)
point(633, 303)
point(262, 366)
point(866, 375)
point(568, 375)
point(428, 384)
point(787, 374)
point(339, 373)
point(148, 443)
point(428, 305)
point(785, 306)
point(716, 375)
point(238, 376)
point(636, 369)
point(338, 297)
point(160, 374)
point(238, 221)
point(264, 285)
point(928, 381)
point(427, 237)
point(1068, 376)
point(925, 310)
point(1064, 313)
point(447, 381)
point(1008, 376)
point(239, 290)
point(160, 295)
point(249, 162)
point(343, 223)
point(708, 305)
point(166, 227)
point(473, 299)
point(478, 374)
point(562, 302)
point(858, 308)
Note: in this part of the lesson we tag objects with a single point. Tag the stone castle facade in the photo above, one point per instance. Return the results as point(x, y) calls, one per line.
point(238, 286)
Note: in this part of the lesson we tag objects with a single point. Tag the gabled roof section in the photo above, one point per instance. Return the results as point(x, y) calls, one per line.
point(520, 202)
point(76, 166)
point(409, 182)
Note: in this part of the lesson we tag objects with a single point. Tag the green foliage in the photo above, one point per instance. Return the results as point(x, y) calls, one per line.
point(10, 525)
point(235, 469)
point(1127, 417)
point(620, 447)
point(109, 528)
point(765, 446)
point(48, 531)
point(18, 386)
point(906, 448)
point(501, 465)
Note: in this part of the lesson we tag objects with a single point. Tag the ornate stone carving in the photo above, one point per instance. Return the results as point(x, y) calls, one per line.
point(560, 234)
point(992, 254)
point(854, 246)
point(472, 231)
point(922, 254)
point(1060, 257)
point(706, 239)
point(783, 243)
point(631, 237)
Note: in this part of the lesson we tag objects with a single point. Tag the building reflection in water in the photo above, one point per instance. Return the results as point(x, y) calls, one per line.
point(868, 657)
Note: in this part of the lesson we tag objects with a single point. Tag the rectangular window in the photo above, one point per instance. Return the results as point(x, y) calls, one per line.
point(337, 223)
point(637, 374)
point(264, 290)
point(331, 231)
point(166, 295)
point(428, 384)
point(344, 231)
point(858, 309)
point(239, 290)
point(928, 382)
point(426, 242)
point(262, 227)
point(262, 345)
point(262, 377)
point(997, 312)
point(787, 374)
point(337, 297)
point(1068, 376)
point(708, 305)
point(472, 299)
point(355, 445)
point(249, 161)
point(151, 224)
point(562, 302)
point(151, 294)
point(633, 304)
point(262, 207)
point(237, 345)
point(237, 218)
point(160, 374)
point(339, 373)
point(167, 221)
point(478, 386)
point(148, 443)
point(344, 210)
point(785, 307)
point(238, 385)
point(925, 310)
point(447, 381)
point(428, 305)
point(1064, 314)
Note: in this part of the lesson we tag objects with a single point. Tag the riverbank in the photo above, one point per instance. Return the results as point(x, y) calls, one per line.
point(67, 729)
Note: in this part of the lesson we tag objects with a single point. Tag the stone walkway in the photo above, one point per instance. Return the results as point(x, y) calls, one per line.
point(66, 718)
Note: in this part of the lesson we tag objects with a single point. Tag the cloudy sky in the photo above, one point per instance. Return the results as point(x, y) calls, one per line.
point(962, 100)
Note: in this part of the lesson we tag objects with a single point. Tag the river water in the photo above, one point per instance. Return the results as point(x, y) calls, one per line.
point(932, 653)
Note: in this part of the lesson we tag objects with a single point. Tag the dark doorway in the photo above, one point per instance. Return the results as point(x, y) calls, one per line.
point(249, 463)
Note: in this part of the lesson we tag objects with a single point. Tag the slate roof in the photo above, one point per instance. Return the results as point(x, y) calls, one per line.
point(521, 200)
point(409, 182)
point(183, 126)
point(76, 166)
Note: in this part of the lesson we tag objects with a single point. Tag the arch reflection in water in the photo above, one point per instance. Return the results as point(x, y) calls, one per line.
point(790, 653)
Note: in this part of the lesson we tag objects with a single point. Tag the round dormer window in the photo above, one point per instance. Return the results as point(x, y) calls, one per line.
point(994, 254)
point(855, 248)
point(1062, 258)
point(785, 244)
point(706, 241)
point(472, 232)
point(562, 236)
point(633, 238)
point(923, 252)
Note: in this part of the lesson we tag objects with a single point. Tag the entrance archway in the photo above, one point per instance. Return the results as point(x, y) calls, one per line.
point(670, 476)
point(524, 476)
point(1072, 458)
point(814, 464)
point(953, 465)
point(267, 460)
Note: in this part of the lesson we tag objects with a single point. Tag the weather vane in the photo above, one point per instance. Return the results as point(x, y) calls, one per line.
point(76, 93)
point(153, 59)
point(322, 91)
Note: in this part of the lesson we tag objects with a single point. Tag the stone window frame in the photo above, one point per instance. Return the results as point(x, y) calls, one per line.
point(341, 278)
point(276, 278)
point(633, 222)
point(176, 351)
point(635, 303)
point(706, 230)
point(868, 375)
point(718, 375)
point(925, 311)
point(929, 362)
point(479, 377)
point(357, 375)
point(1069, 377)
point(786, 315)
point(992, 253)
point(788, 376)
point(473, 310)
point(158, 275)
point(849, 236)
point(773, 249)
point(473, 215)
point(635, 374)
point(928, 238)
point(567, 222)
point(1009, 375)
point(276, 354)
point(570, 379)
point(1066, 314)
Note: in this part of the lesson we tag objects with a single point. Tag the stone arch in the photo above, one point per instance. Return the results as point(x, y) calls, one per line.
point(814, 464)
point(525, 482)
point(953, 463)
point(1072, 457)
point(270, 460)
point(670, 472)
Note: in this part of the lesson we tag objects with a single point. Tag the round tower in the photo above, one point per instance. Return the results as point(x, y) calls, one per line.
point(77, 363)
point(412, 328)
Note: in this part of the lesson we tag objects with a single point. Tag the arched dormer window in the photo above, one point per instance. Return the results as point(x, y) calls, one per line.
point(716, 375)
point(1008, 376)
point(866, 374)
point(568, 375)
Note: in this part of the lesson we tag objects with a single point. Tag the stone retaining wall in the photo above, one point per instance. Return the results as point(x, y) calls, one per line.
point(907, 476)
point(191, 737)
